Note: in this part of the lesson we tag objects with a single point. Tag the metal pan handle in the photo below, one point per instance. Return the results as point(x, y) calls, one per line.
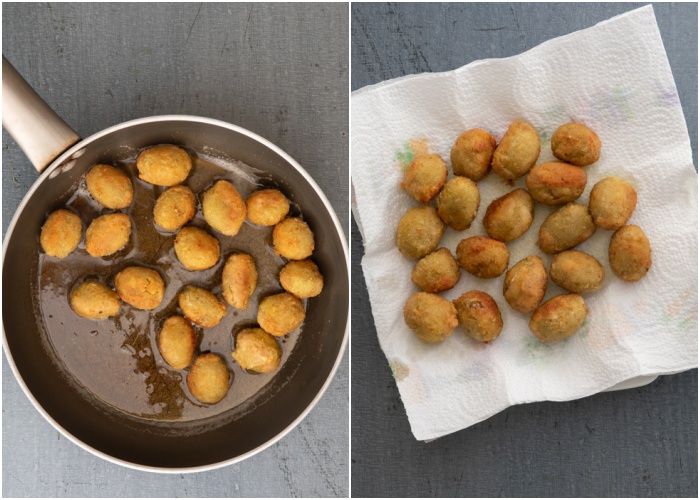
point(36, 128)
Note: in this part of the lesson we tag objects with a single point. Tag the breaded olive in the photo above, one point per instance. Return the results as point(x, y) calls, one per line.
point(458, 203)
point(174, 208)
point(612, 202)
point(419, 232)
point(238, 280)
point(200, 306)
point(436, 272)
point(196, 249)
point(141, 287)
point(629, 253)
point(293, 239)
point(431, 317)
point(223, 208)
point(510, 216)
point(483, 257)
point(472, 153)
point(208, 379)
point(165, 165)
point(569, 226)
point(107, 234)
point(61, 233)
point(425, 177)
point(110, 186)
point(525, 284)
point(280, 314)
point(301, 278)
point(479, 316)
point(257, 351)
point(94, 300)
point(559, 317)
point(177, 342)
point(554, 183)
point(517, 152)
point(576, 144)
point(577, 272)
point(267, 207)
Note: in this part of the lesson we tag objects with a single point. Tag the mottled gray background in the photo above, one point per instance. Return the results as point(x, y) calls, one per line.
point(640, 442)
point(279, 70)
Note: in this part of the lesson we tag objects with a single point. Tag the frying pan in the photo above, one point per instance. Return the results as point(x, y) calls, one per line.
point(102, 429)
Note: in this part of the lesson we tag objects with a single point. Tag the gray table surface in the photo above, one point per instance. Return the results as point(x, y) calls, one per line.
point(640, 442)
point(279, 70)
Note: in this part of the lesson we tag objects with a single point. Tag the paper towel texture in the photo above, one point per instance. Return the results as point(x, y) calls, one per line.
point(615, 78)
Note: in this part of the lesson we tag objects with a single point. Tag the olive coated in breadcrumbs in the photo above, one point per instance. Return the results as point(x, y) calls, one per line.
point(257, 351)
point(94, 300)
point(558, 318)
point(419, 232)
point(431, 317)
point(576, 144)
point(479, 316)
point(569, 226)
point(424, 177)
point(577, 272)
point(517, 152)
point(458, 203)
point(510, 216)
point(61, 233)
point(555, 183)
point(630, 253)
point(293, 239)
point(436, 272)
point(238, 280)
point(525, 284)
point(107, 234)
point(612, 203)
point(280, 314)
point(196, 249)
point(141, 287)
point(301, 278)
point(208, 379)
point(174, 208)
point(165, 165)
point(110, 186)
point(483, 257)
point(267, 207)
point(200, 306)
point(472, 153)
point(223, 208)
point(177, 342)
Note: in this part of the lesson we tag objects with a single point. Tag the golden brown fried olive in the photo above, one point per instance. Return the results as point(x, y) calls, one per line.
point(201, 307)
point(174, 208)
point(267, 207)
point(569, 226)
point(257, 351)
point(458, 203)
point(424, 177)
point(301, 278)
point(223, 208)
point(558, 318)
point(61, 233)
point(472, 154)
point(479, 316)
point(419, 232)
point(208, 379)
point(629, 253)
point(165, 165)
point(196, 249)
point(525, 284)
point(576, 144)
point(280, 314)
point(177, 342)
point(239, 279)
point(554, 183)
point(577, 272)
point(431, 317)
point(94, 300)
point(141, 287)
point(107, 234)
point(510, 216)
point(436, 272)
point(109, 186)
point(483, 257)
point(612, 203)
point(517, 152)
point(293, 239)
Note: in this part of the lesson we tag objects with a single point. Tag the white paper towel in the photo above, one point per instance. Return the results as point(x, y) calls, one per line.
point(615, 78)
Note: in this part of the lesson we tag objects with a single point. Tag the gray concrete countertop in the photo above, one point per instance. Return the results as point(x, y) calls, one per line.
point(639, 442)
point(280, 70)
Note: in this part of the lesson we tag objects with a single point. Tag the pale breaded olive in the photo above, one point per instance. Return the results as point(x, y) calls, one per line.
point(612, 203)
point(174, 208)
point(424, 177)
point(419, 232)
point(472, 153)
point(61, 233)
point(223, 208)
point(525, 284)
point(301, 278)
point(141, 287)
point(577, 272)
point(431, 317)
point(629, 253)
point(257, 351)
point(110, 186)
point(165, 165)
point(208, 379)
point(293, 239)
point(510, 216)
point(554, 183)
point(107, 234)
point(280, 314)
point(200, 306)
point(267, 207)
point(177, 342)
point(569, 226)
point(558, 318)
point(94, 300)
point(196, 249)
point(517, 152)
point(436, 272)
point(576, 144)
point(479, 316)
point(458, 203)
point(483, 257)
point(238, 280)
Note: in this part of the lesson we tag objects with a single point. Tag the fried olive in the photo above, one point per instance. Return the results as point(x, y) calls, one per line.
point(94, 300)
point(483, 257)
point(196, 249)
point(165, 165)
point(419, 232)
point(141, 287)
point(61, 233)
point(280, 314)
point(525, 284)
point(554, 183)
point(458, 203)
point(517, 152)
point(629, 253)
point(293, 239)
point(431, 317)
point(223, 208)
point(479, 316)
point(257, 351)
point(177, 342)
point(510, 216)
point(577, 272)
point(424, 177)
point(436, 272)
point(238, 280)
point(576, 144)
point(107, 234)
point(612, 202)
point(301, 278)
point(208, 379)
point(201, 307)
point(472, 153)
point(174, 208)
point(559, 317)
point(267, 207)
point(569, 226)
point(109, 186)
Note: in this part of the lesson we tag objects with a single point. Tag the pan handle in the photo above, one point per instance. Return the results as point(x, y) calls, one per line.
point(37, 129)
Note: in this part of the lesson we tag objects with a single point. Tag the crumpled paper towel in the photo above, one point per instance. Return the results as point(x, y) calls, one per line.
point(615, 78)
